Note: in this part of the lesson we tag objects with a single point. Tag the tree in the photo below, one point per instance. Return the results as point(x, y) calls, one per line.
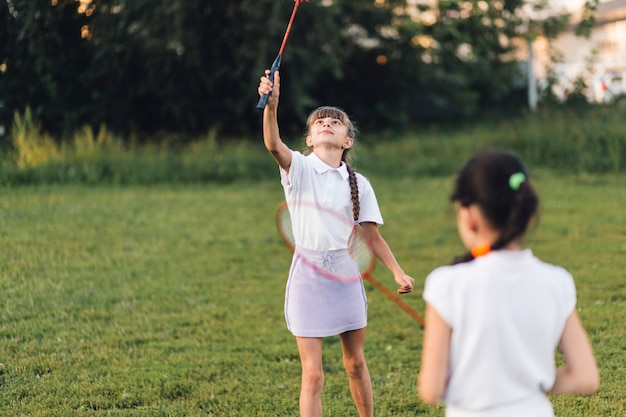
point(186, 67)
point(44, 60)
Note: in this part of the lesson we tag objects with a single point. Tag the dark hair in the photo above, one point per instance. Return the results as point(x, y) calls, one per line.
point(339, 114)
point(508, 206)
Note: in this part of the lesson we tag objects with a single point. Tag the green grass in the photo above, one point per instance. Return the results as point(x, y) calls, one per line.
point(167, 300)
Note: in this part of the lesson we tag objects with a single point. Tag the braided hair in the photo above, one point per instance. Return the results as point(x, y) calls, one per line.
point(498, 183)
point(346, 157)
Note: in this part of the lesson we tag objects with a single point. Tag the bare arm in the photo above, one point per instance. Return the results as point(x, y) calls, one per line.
point(431, 384)
point(580, 374)
point(271, 134)
point(383, 252)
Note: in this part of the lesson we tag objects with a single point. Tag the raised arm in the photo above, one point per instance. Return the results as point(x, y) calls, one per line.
point(383, 252)
point(271, 134)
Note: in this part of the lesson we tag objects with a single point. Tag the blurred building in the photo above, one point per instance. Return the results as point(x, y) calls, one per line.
point(599, 60)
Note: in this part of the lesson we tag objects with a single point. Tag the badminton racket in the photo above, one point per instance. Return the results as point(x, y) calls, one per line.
point(358, 248)
point(279, 57)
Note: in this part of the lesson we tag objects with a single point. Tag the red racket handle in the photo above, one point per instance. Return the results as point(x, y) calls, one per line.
point(276, 64)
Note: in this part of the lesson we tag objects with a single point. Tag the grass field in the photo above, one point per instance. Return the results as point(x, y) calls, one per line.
point(167, 300)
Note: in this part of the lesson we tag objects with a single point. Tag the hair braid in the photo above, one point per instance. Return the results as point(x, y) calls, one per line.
point(354, 192)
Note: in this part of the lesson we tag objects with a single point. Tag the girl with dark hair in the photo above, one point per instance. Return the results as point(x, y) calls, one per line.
point(316, 306)
point(496, 315)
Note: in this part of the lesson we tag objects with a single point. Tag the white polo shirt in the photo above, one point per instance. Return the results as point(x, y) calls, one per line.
point(507, 311)
point(320, 203)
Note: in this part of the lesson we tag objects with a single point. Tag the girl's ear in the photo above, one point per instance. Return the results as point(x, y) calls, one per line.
point(348, 143)
point(307, 140)
point(463, 218)
point(473, 217)
point(467, 224)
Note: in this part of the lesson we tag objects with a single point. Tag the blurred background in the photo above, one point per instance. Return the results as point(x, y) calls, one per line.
point(187, 67)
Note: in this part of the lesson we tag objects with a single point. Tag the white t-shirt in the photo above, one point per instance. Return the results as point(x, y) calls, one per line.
point(320, 203)
point(507, 311)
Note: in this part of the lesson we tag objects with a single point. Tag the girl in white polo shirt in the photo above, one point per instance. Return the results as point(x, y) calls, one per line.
point(496, 315)
point(315, 305)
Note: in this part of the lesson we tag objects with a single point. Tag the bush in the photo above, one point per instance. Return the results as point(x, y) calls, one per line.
point(586, 140)
point(32, 149)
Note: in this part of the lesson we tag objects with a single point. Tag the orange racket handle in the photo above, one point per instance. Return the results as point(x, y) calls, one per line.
point(394, 297)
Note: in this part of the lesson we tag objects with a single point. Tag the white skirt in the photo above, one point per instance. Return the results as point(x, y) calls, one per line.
point(317, 305)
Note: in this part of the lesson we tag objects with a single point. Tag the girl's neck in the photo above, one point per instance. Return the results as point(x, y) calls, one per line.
point(487, 235)
point(329, 156)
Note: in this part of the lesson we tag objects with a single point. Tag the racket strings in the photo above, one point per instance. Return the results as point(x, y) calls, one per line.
point(359, 249)
point(330, 264)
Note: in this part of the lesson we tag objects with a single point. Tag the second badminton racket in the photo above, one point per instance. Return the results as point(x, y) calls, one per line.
point(359, 250)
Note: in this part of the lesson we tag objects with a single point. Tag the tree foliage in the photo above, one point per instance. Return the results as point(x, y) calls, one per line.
point(46, 61)
point(191, 66)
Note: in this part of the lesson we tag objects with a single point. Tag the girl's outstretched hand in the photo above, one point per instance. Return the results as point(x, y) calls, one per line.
point(267, 87)
point(406, 283)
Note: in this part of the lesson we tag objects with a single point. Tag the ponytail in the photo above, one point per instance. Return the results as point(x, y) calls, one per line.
point(498, 183)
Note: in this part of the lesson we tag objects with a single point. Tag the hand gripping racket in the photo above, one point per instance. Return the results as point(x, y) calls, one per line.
point(279, 57)
point(359, 250)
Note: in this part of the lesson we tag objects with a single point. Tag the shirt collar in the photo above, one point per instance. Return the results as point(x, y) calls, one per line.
point(321, 166)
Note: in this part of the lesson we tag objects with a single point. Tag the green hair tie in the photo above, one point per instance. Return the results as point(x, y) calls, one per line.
point(516, 180)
